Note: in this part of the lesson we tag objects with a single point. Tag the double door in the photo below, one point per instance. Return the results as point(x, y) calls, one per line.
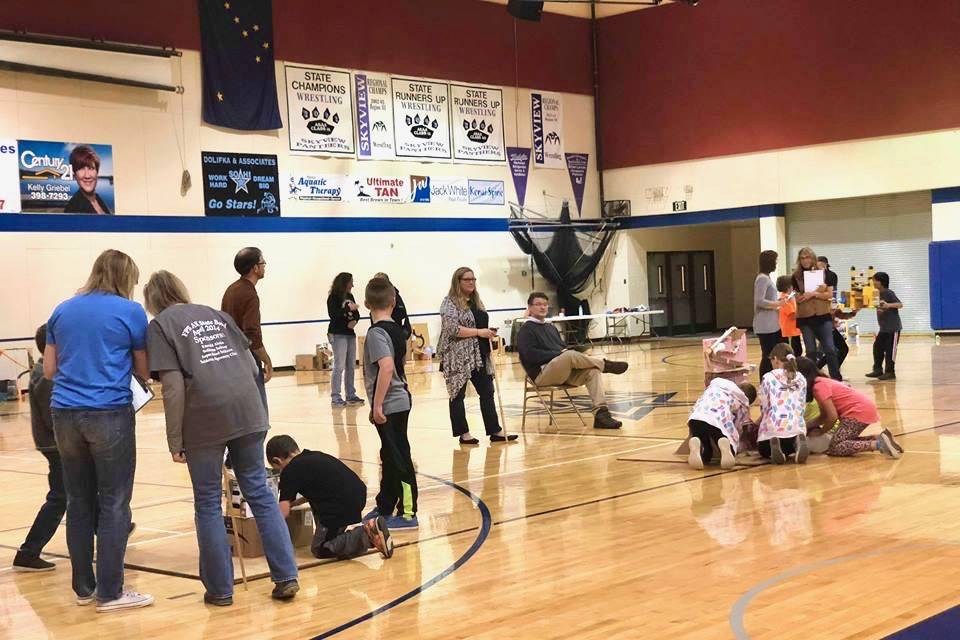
point(682, 285)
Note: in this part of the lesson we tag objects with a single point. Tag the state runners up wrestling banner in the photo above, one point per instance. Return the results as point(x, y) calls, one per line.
point(421, 118)
point(477, 123)
point(319, 111)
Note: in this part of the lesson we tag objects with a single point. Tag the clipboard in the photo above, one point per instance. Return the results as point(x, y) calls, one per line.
point(812, 280)
point(142, 394)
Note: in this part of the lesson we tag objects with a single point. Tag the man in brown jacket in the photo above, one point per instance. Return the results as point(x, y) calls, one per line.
point(242, 303)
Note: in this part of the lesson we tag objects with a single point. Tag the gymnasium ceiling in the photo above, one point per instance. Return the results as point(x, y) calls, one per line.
point(582, 10)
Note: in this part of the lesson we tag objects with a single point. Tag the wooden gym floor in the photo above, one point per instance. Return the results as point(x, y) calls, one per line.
point(567, 533)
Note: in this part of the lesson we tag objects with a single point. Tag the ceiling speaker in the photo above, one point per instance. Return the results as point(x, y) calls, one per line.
point(525, 9)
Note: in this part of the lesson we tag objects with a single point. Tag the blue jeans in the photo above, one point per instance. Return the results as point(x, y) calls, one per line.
point(98, 450)
point(206, 475)
point(821, 331)
point(344, 360)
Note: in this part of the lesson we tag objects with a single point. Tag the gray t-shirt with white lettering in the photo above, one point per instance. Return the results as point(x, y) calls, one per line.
point(222, 401)
point(378, 345)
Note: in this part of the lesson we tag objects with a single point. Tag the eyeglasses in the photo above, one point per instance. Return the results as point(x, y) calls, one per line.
point(261, 264)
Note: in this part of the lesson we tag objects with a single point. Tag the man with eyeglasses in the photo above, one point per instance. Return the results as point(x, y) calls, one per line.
point(548, 361)
point(242, 303)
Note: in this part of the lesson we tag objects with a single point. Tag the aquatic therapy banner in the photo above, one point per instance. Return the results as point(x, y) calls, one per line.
point(9, 177)
point(319, 111)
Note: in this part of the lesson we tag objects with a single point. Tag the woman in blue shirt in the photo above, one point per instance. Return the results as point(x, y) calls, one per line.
point(95, 341)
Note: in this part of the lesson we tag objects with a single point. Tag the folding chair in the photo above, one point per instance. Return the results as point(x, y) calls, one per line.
point(531, 390)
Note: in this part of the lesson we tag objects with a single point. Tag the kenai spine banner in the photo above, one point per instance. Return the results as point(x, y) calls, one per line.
point(477, 123)
point(421, 118)
point(319, 111)
point(546, 113)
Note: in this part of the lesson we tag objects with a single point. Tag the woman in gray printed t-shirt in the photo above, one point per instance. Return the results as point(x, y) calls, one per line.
point(211, 403)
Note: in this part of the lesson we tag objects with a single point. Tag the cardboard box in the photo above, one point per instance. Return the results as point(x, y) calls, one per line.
point(305, 362)
point(300, 525)
point(324, 358)
point(251, 546)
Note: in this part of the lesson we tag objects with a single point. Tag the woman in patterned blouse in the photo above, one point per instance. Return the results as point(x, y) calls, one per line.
point(464, 351)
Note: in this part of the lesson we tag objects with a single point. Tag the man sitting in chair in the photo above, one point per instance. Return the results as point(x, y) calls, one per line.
point(548, 361)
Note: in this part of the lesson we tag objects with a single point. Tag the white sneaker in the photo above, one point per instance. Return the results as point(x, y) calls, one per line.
point(83, 601)
point(727, 458)
point(694, 459)
point(127, 600)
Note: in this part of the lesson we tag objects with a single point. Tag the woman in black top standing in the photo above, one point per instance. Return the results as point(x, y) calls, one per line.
point(344, 315)
point(399, 314)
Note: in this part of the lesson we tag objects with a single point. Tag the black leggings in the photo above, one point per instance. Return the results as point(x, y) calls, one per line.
point(787, 445)
point(709, 436)
point(767, 342)
point(483, 383)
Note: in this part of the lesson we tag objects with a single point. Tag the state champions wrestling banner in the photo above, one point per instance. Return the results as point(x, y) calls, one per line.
point(319, 111)
point(374, 116)
point(546, 115)
point(421, 118)
point(477, 123)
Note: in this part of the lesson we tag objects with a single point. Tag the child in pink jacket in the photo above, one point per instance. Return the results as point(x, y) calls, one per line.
point(717, 420)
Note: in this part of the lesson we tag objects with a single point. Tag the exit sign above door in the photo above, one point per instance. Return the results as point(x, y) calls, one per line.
point(680, 205)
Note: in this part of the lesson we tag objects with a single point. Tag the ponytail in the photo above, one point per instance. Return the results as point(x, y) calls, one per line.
point(784, 354)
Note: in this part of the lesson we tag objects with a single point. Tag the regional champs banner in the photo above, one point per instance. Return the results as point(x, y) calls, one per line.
point(477, 123)
point(319, 111)
point(546, 113)
point(421, 118)
point(374, 116)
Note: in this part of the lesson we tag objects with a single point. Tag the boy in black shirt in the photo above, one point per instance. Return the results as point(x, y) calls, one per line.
point(888, 336)
point(336, 496)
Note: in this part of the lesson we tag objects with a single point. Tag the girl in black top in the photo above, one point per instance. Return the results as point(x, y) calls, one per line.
point(344, 315)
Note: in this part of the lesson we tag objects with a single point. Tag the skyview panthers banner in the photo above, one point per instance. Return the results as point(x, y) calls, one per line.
point(477, 123)
point(421, 118)
point(546, 113)
point(319, 111)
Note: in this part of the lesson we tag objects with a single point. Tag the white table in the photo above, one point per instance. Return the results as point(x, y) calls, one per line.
point(613, 320)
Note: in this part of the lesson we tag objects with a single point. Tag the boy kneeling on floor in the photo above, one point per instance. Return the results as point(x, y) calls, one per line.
point(336, 496)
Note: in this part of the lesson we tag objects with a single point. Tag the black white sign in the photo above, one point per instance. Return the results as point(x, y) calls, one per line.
point(240, 184)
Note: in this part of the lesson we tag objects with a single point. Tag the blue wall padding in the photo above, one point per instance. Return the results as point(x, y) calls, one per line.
point(945, 285)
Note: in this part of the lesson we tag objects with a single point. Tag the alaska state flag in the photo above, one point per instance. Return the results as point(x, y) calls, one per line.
point(239, 81)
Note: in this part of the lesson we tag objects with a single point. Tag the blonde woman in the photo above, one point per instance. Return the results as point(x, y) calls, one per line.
point(815, 315)
point(95, 341)
point(220, 409)
point(464, 351)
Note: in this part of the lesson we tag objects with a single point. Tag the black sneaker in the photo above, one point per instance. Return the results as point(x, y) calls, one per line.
point(603, 420)
point(614, 366)
point(218, 601)
point(875, 374)
point(890, 375)
point(285, 590)
point(26, 564)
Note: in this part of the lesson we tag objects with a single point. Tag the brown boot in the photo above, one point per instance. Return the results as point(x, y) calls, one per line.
point(614, 366)
point(603, 420)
